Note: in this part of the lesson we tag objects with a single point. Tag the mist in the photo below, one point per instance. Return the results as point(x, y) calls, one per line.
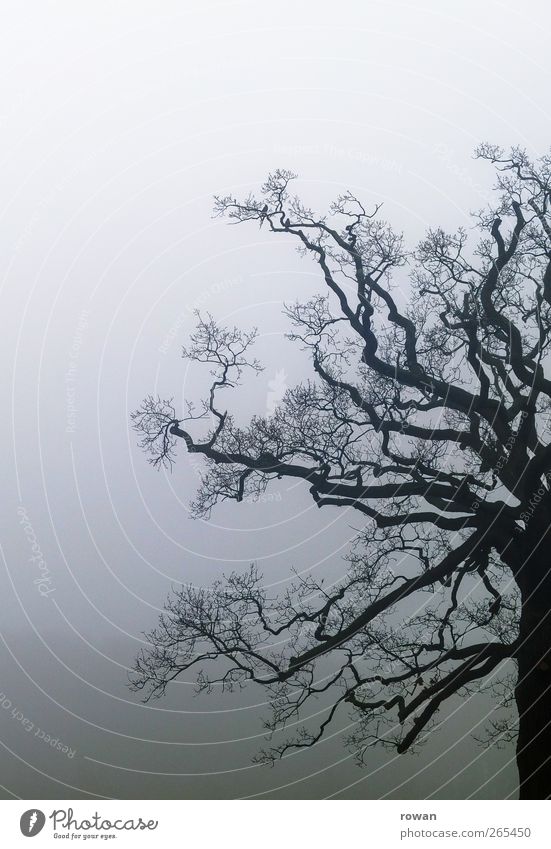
point(119, 123)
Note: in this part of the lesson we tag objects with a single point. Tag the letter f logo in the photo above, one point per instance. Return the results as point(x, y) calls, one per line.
point(32, 822)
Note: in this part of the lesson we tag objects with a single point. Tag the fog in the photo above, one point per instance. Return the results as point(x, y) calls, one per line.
point(119, 122)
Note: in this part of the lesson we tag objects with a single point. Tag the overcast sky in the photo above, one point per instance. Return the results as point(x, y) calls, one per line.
point(118, 123)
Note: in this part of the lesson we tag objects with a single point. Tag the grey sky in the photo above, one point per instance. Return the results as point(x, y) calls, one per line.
point(119, 121)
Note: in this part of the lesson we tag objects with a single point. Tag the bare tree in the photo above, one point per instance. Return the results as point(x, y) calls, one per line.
point(431, 422)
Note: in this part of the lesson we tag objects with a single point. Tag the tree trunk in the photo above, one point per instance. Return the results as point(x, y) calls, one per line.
point(533, 689)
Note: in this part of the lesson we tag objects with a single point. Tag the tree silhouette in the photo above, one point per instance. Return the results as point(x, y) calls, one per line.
point(431, 422)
